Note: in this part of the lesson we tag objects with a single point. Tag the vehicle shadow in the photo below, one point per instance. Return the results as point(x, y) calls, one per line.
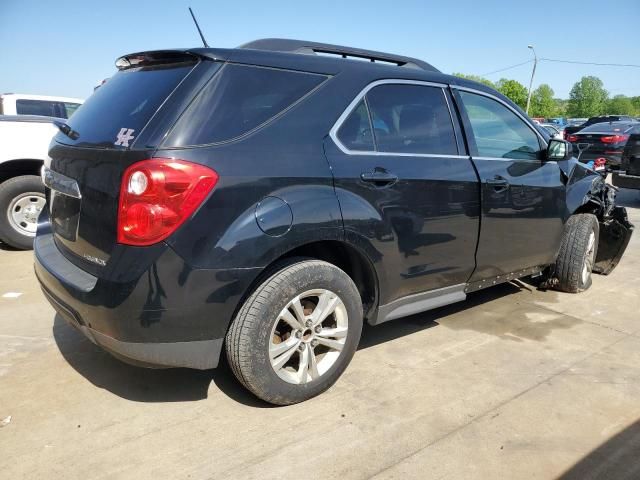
point(617, 458)
point(183, 385)
point(4, 246)
point(372, 336)
point(142, 384)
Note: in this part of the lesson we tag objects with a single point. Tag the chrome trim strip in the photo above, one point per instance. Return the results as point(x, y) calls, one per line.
point(333, 133)
point(531, 160)
point(493, 97)
point(420, 302)
point(60, 183)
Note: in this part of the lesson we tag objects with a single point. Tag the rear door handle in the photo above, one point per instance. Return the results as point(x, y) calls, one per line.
point(379, 177)
point(498, 183)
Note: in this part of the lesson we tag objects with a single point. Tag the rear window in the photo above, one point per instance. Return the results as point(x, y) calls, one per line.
point(238, 100)
point(606, 128)
point(117, 112)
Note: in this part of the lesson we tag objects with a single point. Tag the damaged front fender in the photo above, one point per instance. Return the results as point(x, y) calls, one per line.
point(588, 192)
point(615, 228)
point(615, 233)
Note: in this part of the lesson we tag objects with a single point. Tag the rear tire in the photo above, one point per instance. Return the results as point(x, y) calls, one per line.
point(281, 345)
point(21, 200)
point(577, 253)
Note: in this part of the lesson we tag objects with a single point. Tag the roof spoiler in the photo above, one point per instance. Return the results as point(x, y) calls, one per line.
point(157, 57)
point(314, 48)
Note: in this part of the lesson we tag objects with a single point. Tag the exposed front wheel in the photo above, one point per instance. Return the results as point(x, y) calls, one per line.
point(578, 251)
point(297, 332)
point(21, 200)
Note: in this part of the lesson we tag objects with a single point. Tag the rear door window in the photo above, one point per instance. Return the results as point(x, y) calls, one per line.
point(355, 132)
point(238, 100)
point(499, 132)
point(117, 112)
point(411, 119)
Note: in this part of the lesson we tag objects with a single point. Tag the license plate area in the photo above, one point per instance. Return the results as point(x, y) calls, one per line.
point(64, 204)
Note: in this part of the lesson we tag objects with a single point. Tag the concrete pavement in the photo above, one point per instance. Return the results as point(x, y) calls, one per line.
point(514, 383)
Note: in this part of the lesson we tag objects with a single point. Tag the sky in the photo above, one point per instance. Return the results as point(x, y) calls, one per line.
point(66, 47)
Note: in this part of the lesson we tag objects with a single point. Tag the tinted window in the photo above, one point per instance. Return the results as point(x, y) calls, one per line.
point(499, 132)
point(128, 100)
point(70, 108)
point(38, 107)
point(355, 132)
point(238, 99)
point(613, 127)
point(411, 119)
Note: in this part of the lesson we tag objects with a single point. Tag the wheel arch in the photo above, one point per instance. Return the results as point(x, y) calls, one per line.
point(349, 258)
point(20, 166)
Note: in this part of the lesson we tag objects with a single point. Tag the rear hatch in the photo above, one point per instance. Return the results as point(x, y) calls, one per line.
point(120, 124)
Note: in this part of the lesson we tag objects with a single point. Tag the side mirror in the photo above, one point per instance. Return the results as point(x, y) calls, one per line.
point(559, 150)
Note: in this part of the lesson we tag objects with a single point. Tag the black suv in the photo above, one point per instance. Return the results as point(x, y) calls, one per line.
point(266, 200)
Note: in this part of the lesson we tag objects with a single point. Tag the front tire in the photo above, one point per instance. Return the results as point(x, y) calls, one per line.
point(577, 254)
point(296, 333)
point(21, 200)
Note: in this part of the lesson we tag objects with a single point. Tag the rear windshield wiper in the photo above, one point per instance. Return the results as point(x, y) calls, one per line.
point(66, 129)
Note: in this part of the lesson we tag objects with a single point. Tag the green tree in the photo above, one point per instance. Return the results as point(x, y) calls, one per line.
point(514, 90)
point(542, 102)
point(635, 101)
point(475, 78)
point(561, 106)
point(621, 105)
point(587, 98)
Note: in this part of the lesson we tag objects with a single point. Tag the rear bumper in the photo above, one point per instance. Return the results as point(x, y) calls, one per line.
point(171, 316)
point(623, 180)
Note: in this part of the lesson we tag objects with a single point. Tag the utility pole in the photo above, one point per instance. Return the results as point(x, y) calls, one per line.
point(535, 63)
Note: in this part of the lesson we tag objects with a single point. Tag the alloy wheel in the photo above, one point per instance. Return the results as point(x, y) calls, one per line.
point(308, 336)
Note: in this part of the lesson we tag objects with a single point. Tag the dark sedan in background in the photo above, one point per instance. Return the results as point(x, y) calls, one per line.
point(604, 140)
point(573, 127)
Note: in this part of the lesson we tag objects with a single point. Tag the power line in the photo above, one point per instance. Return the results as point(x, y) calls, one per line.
point(630, 65)
point(506, 68)
point(591, 63)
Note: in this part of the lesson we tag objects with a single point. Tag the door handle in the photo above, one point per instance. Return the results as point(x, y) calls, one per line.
point(379, 177)
point(498, 183)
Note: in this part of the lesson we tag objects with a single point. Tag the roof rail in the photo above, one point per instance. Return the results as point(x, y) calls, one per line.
point(314, 48)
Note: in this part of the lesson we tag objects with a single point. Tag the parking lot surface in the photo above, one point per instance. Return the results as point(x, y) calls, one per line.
point(514, 383)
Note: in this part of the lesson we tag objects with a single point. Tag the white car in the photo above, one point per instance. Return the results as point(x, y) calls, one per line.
point(554, 130)
point(24, 146)
point(46, 106)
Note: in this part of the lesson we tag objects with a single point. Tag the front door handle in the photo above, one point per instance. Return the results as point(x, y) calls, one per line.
point(379, 177)
point(498, 183)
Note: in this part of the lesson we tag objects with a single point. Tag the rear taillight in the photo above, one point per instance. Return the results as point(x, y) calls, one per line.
point(157, 196)
point(572, 138)
point(614, 138)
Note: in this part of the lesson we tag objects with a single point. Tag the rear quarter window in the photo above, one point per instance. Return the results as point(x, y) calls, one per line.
point(237, 100)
